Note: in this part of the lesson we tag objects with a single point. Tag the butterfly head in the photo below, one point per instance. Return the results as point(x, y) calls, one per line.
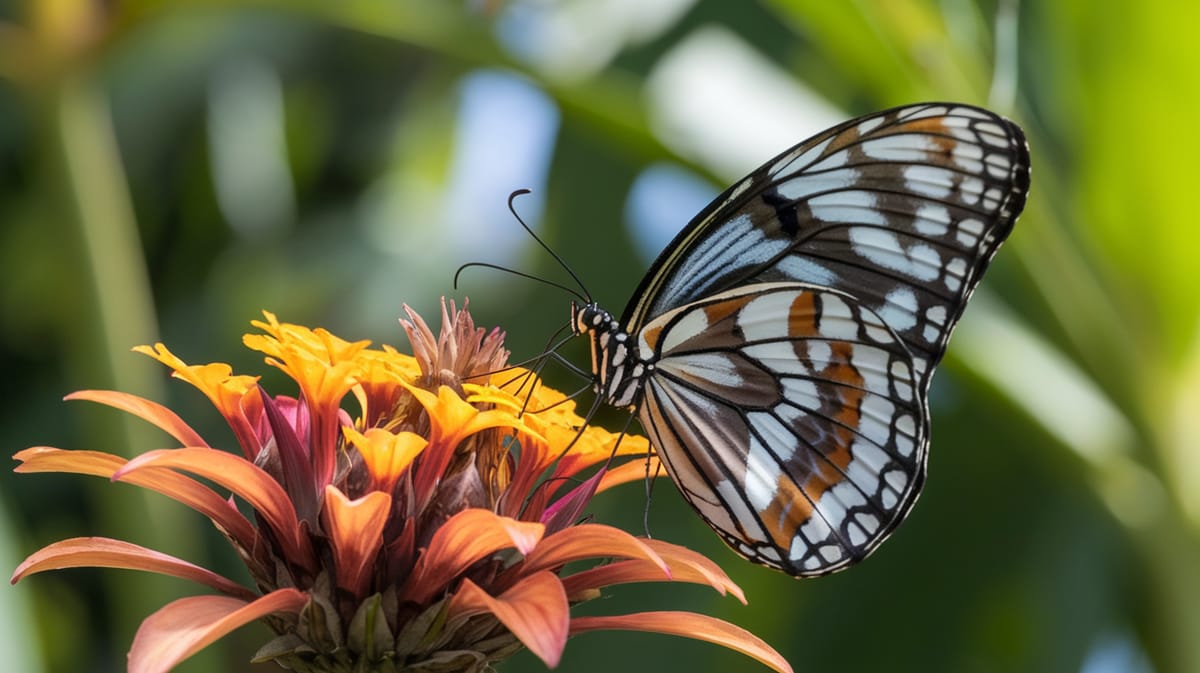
point(590, 318)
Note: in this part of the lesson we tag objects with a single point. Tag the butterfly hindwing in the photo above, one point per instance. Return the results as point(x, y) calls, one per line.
point(813, 429)
point(902, 209)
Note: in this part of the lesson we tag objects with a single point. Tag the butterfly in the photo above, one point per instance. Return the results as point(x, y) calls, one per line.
point(779, 351)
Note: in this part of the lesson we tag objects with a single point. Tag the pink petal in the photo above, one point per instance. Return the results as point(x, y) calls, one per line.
point(568, 509)
point(244, 479)
point(181, 628)
point(689, 625)
point(102, 552)
point(152, 412)
point(462, 540)
point(535, 610)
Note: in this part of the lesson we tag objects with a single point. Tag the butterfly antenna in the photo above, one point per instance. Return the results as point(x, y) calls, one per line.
point(514, 272)
point(587, 298)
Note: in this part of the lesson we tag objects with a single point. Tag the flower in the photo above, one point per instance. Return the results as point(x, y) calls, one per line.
point(431, 532)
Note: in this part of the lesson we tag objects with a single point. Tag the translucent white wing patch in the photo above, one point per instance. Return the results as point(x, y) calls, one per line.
point(814, 433)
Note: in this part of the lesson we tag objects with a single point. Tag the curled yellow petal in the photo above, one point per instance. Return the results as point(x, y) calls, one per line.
point(386, 454)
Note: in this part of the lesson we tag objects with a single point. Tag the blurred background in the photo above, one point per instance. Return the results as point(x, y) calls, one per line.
point(168, 170)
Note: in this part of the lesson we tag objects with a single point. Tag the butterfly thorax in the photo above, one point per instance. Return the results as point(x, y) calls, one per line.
point(616, 361)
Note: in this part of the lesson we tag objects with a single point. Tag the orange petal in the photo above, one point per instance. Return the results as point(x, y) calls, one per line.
point(689, 625)
point(535, 610)
point(244, 479)
point(462, 540)
point(633, 470)
point(686, 566)
point(586, 541)
point(153, 412)
point(234, 396)
point(597, 445)
point(355, 528)
point(678, 556)
point(102, 552)
point(171, 484)
point(183, 627)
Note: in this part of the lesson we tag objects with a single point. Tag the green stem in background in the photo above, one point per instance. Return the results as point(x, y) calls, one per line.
point(120, 315)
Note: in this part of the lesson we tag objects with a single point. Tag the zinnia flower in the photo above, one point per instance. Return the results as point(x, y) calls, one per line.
point(431, 532)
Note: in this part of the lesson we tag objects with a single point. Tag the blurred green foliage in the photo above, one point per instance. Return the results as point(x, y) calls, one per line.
point(167, 170)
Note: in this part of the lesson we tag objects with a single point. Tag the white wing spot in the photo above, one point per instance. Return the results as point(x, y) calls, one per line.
point(779, 357)
point(956, 269)
point(858, 207)
point(764, 317)
point(830, 553)
point(993, 130)
point(837, 320)
point(936, 314)
point(869, 124)
point(807, 184)
point(897, 479)
point(692, 323)
point(928, 181)
point(868, 521)
point(968, 232)
point(819, 351)
point(899, 310)
point(969, 156)
point(905, 430)
point(883, 248)
point(888, 498)
point(930, 334)
point(804, 269)
point(879, 334)
point(969, 112)
point(858, 537)
point(970, 190)
point(761, 476)
point(932, 219)
point(801, 392)
point(900, 147)
point(879, 408)
point(991, 199)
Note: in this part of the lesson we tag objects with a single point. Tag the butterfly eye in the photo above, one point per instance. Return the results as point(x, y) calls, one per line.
point(779, 351)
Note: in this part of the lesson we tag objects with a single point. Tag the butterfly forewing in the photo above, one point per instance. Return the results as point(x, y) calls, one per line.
point(812, 427)
point(902, 209)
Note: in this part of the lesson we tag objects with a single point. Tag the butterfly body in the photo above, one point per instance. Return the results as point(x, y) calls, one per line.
point(779, 351)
